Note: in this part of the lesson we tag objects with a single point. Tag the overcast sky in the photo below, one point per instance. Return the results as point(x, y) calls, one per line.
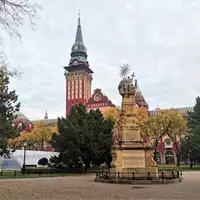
point(159, 39)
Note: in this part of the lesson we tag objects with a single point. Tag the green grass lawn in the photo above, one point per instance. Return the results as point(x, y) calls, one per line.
point(182, 167)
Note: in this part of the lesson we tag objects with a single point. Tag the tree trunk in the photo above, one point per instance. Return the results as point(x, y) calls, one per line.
point(155, 150)
point(1, 162)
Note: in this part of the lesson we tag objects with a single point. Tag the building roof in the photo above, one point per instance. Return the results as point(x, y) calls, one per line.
point(139, 98)
point(183, 110)
point(21, 117)
point(78, 50)
point(46, 121)
point(98, 99)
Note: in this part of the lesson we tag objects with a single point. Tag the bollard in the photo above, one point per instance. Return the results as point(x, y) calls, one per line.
point(133, 175)
point(118, 175)
point(148, 176)
point(163, 176)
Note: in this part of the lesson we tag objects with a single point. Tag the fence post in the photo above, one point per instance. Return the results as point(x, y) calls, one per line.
point(172, 174)
point(148, 176)
point(1, 173)
point(163, 176)
point(118, 175)
point(133, 175)
point(14, 173)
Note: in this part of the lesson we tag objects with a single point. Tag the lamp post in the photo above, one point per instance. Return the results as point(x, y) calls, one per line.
point(24, 165)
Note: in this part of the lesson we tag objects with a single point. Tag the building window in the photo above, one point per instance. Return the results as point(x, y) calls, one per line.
point(168, 143)
point(80, 88)
point(169, 158)
point(68, 90)
point(72, 89)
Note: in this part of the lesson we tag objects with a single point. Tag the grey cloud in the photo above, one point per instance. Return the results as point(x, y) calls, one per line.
point(159, 40)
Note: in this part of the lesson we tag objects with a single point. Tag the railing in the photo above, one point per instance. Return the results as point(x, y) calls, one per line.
point(140, 176)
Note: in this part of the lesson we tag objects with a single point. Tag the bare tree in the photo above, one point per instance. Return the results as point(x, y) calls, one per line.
point(14, 12)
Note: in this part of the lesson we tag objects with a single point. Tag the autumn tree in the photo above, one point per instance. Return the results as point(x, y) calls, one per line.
point(111, 113)
point(17, 142)
point(152, 128)
point(35, 138)
point(167, 122)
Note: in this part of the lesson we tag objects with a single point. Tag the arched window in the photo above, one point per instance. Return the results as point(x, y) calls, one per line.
point(168, 143)
point(169, 158)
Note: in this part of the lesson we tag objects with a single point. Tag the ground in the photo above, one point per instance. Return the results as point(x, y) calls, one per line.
point(84, 188)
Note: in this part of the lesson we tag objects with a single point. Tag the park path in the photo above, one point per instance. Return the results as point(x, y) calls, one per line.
point(84, 188)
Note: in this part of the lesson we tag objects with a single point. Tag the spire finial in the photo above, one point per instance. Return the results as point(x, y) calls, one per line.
point(46, 115)
point(79, 16)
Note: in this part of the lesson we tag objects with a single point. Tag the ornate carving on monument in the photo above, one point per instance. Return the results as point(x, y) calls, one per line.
point(150, 159)
point(116, 135)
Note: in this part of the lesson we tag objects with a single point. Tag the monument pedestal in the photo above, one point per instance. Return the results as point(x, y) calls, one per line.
point(133, 162)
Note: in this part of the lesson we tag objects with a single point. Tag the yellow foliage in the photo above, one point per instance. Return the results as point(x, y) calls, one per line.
point(112, 113)
point(40, 134)
point(167, 122)
point(142, 114)
point(24, 136)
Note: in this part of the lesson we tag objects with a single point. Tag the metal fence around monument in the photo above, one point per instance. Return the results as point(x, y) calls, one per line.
point(169, 175)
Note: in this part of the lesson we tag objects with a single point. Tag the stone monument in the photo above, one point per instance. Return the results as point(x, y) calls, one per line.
point(130, 153)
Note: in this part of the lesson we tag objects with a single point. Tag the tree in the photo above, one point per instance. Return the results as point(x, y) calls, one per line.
point(167, 122)
point(191, 143)
point(17, 142)
point(111, 113)
point(194, 117)
point(84, 138)
point(42, 133)
point(43, 161)
point(152, 128)
point(35, 138)
point(8, 107)
point(13, 14)
point(174, 126)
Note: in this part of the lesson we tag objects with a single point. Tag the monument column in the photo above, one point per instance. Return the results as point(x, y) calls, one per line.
point(131, 154)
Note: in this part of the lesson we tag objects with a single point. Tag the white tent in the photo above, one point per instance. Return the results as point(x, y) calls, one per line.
point(15, 162)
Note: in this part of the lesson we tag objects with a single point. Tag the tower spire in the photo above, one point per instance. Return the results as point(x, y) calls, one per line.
point(79, 16)
point(79, 51)
point(46, 115)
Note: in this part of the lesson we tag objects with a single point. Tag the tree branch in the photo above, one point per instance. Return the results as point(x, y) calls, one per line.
point(13, 14)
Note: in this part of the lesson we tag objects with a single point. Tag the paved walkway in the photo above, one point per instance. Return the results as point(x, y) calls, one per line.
point(84, 188)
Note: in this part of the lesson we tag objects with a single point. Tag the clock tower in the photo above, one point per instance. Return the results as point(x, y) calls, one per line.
point(78, 73)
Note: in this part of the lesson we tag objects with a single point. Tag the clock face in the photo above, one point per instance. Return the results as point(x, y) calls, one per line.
point(75, 48)
point(97, 97)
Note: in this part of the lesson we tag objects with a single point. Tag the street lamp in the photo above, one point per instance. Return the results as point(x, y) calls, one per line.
point(24, 145)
